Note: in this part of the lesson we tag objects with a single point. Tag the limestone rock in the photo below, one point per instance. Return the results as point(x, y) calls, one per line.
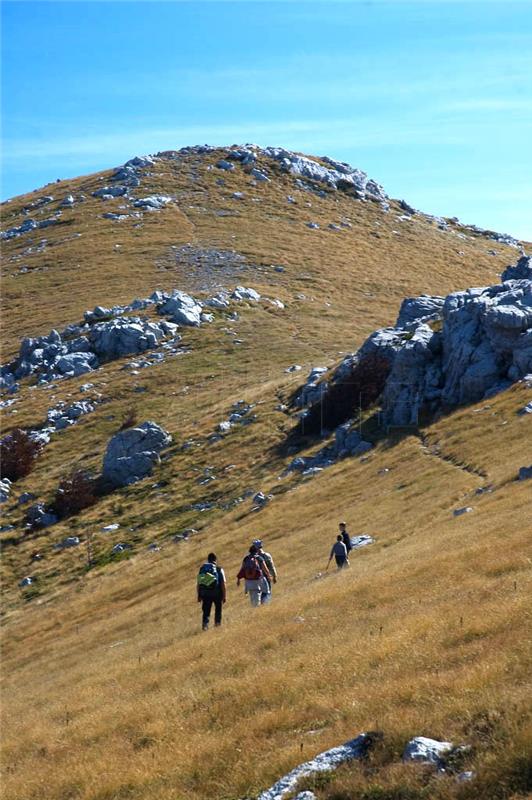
point(447, 352)
point(522, 270)
point(428, 751)
point(111, 191)
point(324, 762)
point(131, 454)
point(245, 293)
point(312, 390)
point(182, 309)
point(154, 202)
point(419, 308)
point(38, 517)
point(5, 489)
point(124, 336)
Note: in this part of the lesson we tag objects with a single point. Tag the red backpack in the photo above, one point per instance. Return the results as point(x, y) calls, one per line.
point(252, 569)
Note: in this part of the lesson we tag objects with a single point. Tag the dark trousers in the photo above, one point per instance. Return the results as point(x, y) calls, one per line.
point(341, 561)
point(206, 605)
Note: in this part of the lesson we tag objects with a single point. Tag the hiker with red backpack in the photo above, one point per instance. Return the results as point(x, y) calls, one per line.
point(253, 571)
point(265, 558)
point(211, 590)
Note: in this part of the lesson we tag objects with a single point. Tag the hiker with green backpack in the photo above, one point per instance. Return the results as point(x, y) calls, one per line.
point(211, 590)
point(253, 571)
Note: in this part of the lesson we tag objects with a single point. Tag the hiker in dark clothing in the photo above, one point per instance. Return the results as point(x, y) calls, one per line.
point(211, 590)
point(339, 551)
point(345, 537)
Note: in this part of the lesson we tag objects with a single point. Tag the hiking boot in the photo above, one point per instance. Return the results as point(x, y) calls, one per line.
point(205, 626)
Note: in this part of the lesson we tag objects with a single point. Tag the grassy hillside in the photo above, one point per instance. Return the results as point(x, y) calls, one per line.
point(110, 689)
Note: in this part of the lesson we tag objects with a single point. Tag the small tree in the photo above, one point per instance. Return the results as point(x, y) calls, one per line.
point(74, 493)
point(18, 452)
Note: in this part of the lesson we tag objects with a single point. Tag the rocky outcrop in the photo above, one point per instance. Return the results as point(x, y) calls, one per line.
point(29, 225)
point(520, 271)
point(127, 335)
point(109, 333)
point(445, 352)
point(131, 454)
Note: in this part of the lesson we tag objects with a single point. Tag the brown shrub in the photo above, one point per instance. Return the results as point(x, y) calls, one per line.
point(129, 419)
point(17, 454)
point(75, 492)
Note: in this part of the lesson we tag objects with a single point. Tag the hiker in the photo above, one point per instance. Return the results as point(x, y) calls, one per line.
point(339, 551)
point(345, 537)
point(253, 571)
point(266, 589)
point(211, 589)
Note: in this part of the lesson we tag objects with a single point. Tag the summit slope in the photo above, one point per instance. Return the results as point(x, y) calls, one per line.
point(427, 634)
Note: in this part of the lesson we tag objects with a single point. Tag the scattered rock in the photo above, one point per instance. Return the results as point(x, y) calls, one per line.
point(114, 526)
point(70, 541)
point(427, 751)
point(525, 473)
point(131, 454)
point(526, 409)
point(107, 192)
point(259, 175)
point(324, 762)
point(182, 309)
point(5, 489)
point(243, 293)
point(361, 541)
point(121, 546)
point(38, 517)
point(459, 511)
point(27, 581)
point(26, 497)
point(154, 202)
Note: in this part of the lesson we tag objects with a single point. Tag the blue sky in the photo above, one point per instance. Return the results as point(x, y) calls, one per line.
point(432, 99)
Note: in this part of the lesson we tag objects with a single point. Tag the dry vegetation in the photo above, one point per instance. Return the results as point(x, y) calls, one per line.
point(110, 691)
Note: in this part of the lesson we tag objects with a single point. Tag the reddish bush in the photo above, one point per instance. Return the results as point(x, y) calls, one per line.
point(17, 454)
point(75, 492)
point(344, 399)
point(129, 419)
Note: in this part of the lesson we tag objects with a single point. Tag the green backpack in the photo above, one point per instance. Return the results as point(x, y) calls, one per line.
point(207, 578)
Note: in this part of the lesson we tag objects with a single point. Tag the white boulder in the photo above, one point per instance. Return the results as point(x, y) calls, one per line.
point(427, 751)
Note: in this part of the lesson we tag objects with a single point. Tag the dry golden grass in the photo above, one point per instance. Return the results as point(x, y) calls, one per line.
point(110, 690)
